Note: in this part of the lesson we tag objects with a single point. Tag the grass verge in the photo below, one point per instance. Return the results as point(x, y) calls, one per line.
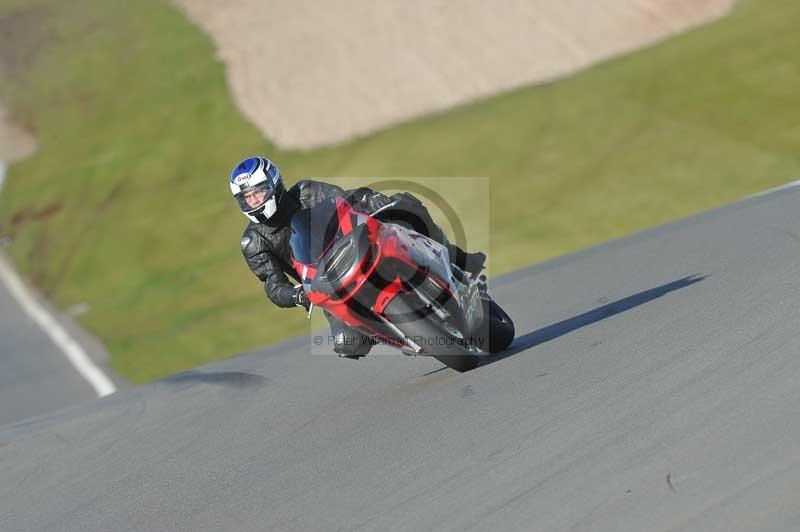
point(124, 206)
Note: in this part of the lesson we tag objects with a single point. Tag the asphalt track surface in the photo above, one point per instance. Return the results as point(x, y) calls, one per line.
point(35, 376)
point(655, 385)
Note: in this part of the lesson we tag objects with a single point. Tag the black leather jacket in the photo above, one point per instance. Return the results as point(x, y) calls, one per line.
point(266, 245)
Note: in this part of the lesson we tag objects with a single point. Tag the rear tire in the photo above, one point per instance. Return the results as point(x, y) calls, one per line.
point(500, 331)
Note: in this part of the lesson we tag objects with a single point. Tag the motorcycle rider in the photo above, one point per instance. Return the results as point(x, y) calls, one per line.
point(257, 185)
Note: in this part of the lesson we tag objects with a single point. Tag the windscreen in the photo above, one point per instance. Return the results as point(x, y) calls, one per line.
point(314, 230)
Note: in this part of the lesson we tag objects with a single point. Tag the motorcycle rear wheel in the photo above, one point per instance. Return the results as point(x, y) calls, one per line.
point(497, 329)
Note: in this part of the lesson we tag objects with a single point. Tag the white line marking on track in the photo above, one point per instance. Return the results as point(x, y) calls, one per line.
point(791, 184)
point(74, 352)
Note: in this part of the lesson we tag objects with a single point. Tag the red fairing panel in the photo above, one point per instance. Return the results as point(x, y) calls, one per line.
point(386, 295)
point(389, 242)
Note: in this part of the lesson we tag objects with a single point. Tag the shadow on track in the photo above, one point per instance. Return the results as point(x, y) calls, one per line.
point(443, 368)
point(551, 332)
point(236, 379)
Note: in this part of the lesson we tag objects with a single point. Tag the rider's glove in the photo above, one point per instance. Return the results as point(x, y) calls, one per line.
point(300, 298)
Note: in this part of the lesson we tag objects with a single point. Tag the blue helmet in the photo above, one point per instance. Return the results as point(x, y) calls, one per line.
point(257, 185)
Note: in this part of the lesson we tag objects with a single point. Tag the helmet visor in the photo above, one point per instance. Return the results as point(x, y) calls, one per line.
point(251, 198)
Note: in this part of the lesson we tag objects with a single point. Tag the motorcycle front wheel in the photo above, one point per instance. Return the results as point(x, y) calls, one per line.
point(439, 340)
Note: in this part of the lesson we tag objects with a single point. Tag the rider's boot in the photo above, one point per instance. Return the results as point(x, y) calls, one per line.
point(469, 262)
point(347, 341)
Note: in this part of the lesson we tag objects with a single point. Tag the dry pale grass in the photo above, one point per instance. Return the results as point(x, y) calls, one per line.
point(311, 73)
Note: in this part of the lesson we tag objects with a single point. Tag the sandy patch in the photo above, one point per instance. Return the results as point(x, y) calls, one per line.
point(21, 38)
point(311, 73)
point(15, 143)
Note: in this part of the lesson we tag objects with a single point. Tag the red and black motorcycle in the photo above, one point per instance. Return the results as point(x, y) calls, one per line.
point(396, 285)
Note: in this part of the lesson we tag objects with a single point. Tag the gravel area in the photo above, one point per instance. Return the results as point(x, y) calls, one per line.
point(313, 73)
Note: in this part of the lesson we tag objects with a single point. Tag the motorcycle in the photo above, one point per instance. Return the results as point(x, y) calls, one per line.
point(383, 275)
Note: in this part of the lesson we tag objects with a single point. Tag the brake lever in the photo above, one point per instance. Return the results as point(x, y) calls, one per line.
point(310, 304)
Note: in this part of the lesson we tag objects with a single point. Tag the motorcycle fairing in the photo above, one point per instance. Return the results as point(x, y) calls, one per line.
point(359, 265)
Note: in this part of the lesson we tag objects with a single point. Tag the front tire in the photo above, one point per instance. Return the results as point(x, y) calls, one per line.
point(435, 339)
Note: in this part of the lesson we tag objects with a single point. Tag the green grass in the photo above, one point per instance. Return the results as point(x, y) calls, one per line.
point(125, 206)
